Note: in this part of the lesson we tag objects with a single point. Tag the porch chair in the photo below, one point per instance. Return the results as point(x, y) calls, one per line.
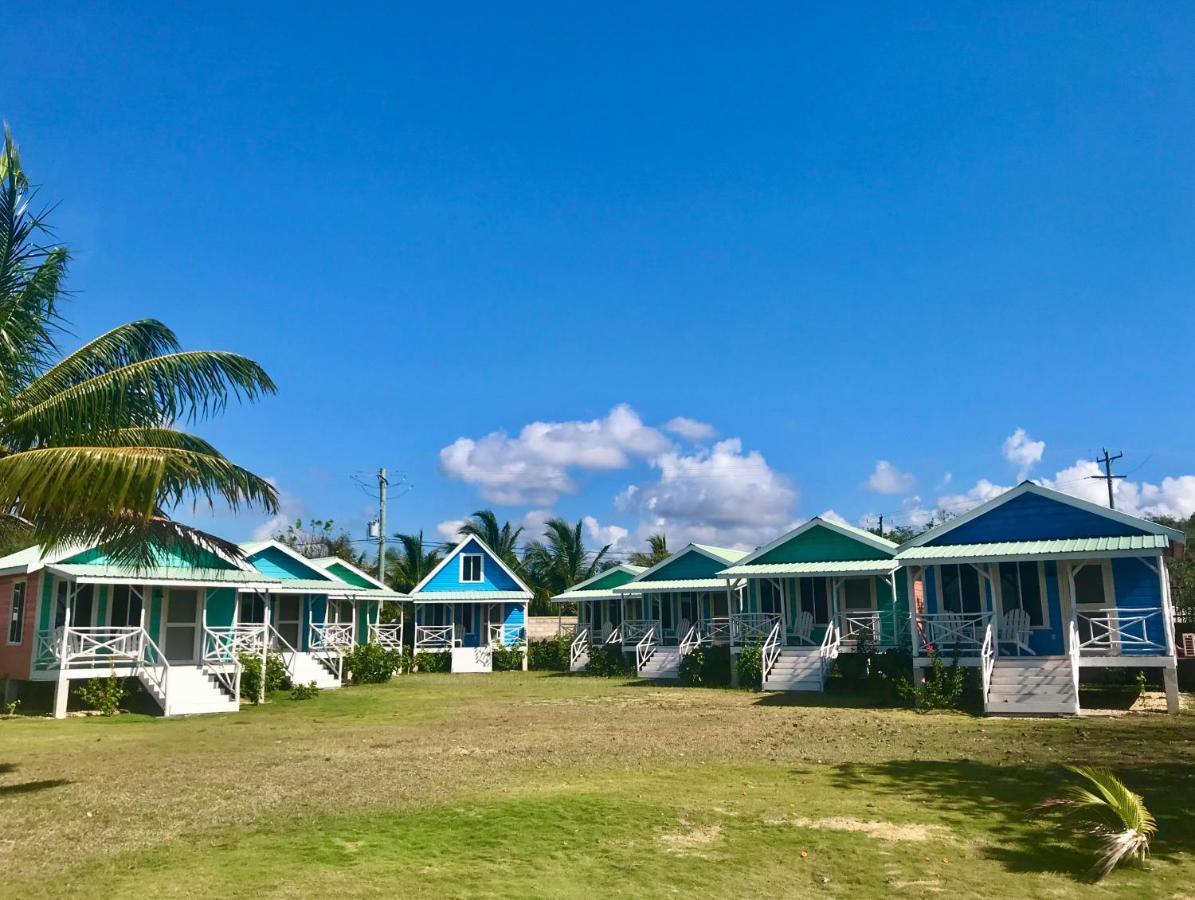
point(802, 627)
point(1016, 630)
point(682, 629)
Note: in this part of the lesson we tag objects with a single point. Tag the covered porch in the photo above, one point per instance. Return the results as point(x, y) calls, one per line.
point(470, 630)
point(682, 614)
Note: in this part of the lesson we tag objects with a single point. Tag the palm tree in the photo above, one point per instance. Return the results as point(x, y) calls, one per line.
point(657, 552)
point(502, 540)
point(1112, 813)
point(561, 560)
point(88, 448)
point(410, 565)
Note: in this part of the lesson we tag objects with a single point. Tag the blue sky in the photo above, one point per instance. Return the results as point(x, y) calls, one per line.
point(833, 237)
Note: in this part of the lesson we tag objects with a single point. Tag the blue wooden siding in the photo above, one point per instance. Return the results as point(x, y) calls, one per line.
point(512, 621)
point(1031, 517)
point(1137, 587)
point(691, 565)
point(273, 562)
point(494, 578)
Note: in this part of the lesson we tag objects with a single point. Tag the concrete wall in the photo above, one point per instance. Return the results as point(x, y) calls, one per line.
point(543, 627)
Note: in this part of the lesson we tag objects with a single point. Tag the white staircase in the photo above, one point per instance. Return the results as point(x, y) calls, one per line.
point(306, 668)
point(578, 661)
point(664, 663)
point(191, 690)
point(797, 669)
point(1032, 686)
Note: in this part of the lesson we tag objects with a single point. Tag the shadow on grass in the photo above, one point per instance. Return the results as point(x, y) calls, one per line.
point(32, 787)
point(997, 799)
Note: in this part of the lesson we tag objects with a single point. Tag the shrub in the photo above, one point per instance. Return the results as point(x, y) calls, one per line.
point(749, 667)
point(432, 662)
point(507, 659)
point(944, 687)
point(372, 664)
point(551, 655)
point(608, 661)
point(8, 710)
point(706, 667)
point(277, 678)
point(304, 691)
point(102, 694)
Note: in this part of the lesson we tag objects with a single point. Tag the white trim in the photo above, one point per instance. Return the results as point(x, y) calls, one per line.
point(480, 579)
point(1028, 487)
point(855, 534)
point(24, 583)
point(691, 548)
point(452, 555)
point(1043, 594)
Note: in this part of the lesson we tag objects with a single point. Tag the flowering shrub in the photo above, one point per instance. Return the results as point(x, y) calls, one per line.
point(102, 694)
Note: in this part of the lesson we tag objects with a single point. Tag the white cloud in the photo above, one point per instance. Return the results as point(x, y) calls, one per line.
point(600, 535)
point(719, 495)
point(1175, 496)
point(887, 479)
point(830, 516)
point(290, 508)
point(450, 530)
point(983, 491)
point(533, 524)
point(534, 467)
point(1023, 452)
point(690, 428)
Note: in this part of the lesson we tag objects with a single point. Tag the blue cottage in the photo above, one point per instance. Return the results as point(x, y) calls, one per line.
point(469, 604)
point(1035, 585)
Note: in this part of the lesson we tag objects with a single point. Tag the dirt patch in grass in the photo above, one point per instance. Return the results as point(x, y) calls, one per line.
point(691, 840)
point(884, 831)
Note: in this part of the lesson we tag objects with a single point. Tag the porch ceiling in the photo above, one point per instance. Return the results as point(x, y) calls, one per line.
point(574, 596)
point(1129, 545)
point(468, 596)
point(837, 567)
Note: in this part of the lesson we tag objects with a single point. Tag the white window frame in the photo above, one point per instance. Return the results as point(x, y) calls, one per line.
point(984, 599)
point(12, 605)
point(1041, 588)
point(111, 601)
point(1108, 578)
point(480, 557)
point(871, 588)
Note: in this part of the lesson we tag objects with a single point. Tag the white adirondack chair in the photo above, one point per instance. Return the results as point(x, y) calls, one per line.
point(682, 629)
point(1016, 630)
point(802, 627)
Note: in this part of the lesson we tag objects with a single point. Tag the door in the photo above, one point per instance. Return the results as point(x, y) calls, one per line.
point(180, 625)
point(288, 617)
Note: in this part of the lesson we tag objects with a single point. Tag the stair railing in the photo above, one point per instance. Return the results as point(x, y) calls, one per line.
point(288, 653)
point(828, 651)
point(221, 657)
point(1076, 650)
point(987, 660)
point(770, 652)
point(691, 641)
point(579, 647)
point(645, 648)
point(154, 668)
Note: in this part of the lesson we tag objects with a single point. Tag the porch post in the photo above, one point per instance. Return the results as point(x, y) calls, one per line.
point(783, 611)
point(891, 580)
point(265, 645)
point(1167, 609)
point(526, 636)
point(910, 582)
point(61, 691)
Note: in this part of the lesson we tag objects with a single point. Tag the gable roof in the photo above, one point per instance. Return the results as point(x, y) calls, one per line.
point(490, 595)
point(582, 591)
point(1029, 487)
point(327, 562)
point(252, 548)
point(721, 555)
point(718, 554)
point(850, 531)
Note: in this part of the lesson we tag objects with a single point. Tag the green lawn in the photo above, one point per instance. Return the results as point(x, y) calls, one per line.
point(547, 785)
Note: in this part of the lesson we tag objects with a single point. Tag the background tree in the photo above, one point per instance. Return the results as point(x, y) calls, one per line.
point(503, 540)
point(657, 552)
point(408, 564)
point(558, 562)
point(1182, 570)
point(88, 448)
point(320, 537)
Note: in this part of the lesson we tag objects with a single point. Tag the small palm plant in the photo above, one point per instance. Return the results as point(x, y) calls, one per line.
point(1109, 811)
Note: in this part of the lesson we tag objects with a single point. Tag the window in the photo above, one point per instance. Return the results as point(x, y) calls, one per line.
point(471, 568)
point(1021, 588)
point(856, 593)
point(16, 624)
point(960, 589)
point(770, 595)
point(126, 607)
point(814, 599)
point(1090, 587)
point(253, 609)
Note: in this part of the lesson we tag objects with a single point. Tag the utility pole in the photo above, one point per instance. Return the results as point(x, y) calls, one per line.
point(1106, 461)
point(881, 524)
point(382, 485)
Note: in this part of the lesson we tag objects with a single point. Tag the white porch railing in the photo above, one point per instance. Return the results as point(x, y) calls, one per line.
point(579, 647)
point(717, 630)
point(770, 652)
point(65, 648)
point(751, 628)
point(645, 648)
point(615, 635)
point(634, 629)
point(828, 650)
point(1121, 632)
point(434, 637)
point(948, 630)
point(880, 628)
point(329, 635)
point(691, 640)
point(509, 636)
point(386, 635)
point(225, 642)
point(987, 657)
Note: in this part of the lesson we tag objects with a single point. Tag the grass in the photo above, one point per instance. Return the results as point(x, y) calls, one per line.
point(556, 786)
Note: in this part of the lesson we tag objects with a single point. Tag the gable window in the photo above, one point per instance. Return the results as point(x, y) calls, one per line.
point(16, 622)
point(960, 589)
point(814, 599)
point(1021, 587)
point(471, 568)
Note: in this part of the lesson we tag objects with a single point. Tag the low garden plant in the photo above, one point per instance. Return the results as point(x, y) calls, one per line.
point(706, 667)
point(277, 678)
point(432, 662)
point(749, 667)
point(507, 659)
point(550, 655)
point(103, 695)
point(304, 691)
point(372, 664)
point(608, 661)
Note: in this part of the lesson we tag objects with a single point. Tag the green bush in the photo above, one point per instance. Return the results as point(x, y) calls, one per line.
point(432, 662)
point(944, 687)
point(608, 661)
point(551, 655)
point(507, 659)
point(749, 666)
point(304, 691)
point(277, 678)
point(102, 694)
point(372, 664)
point(706, 667)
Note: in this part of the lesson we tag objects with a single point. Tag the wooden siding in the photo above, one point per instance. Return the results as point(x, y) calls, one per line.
point(493, 576)
point(1031, 517)
point(820, 544)
point(348, 576)
point(692, 564)
point(16, 660)
point(273, 563)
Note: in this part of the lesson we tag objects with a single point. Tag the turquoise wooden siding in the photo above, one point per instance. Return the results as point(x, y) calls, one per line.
point(691, 565)
point(1031, 517)
point(274, 563)
point(154, 615)
point(46, 620)
point(494, 578)
point(1137, 587)
point(101, 605)
point(820, 544)
point(611, 580)
point(348, 576)
point(512, 621)
point(220, 606)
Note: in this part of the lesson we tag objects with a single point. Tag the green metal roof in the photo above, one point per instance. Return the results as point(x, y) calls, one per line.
point(571, 596)
point(725, 553)
point(843, 567)
point(1055, 547)
point(688, 584)
point(160, 574)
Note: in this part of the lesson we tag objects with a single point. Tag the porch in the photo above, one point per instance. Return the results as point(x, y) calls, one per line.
point(470, 631)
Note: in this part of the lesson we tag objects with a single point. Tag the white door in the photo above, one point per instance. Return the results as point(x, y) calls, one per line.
point(180, 625)
point(288, 615)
